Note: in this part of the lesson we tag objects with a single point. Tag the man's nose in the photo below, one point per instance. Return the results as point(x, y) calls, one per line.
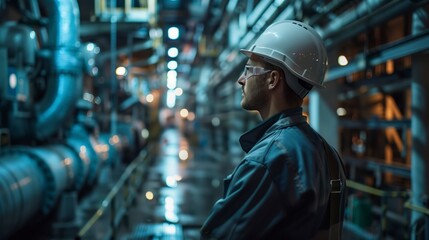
point(241, 79)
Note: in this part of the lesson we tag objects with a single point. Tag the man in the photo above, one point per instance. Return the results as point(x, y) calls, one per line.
point(291, 183)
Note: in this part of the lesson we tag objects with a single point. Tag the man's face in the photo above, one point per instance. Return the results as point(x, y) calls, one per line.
point(254, 86)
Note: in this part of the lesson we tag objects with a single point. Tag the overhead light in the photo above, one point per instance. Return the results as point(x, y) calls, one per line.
point(172, 65)
point(171, 99)
point(149, 195)
point(172, 74)
point(149, 98)
point(171, 83)
point(184, 113)
point(173, 52)
point(13, 81)
point(90, 47)
point(178, 91)
point(342, 60)
point(173, 33)
point(183, 155)
point(171, 182)
point(171, 79)
point(170, 210)
point(341, 112)
point(121, 71)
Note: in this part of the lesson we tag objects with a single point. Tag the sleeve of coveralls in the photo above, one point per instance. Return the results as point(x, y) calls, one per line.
point(250, 206)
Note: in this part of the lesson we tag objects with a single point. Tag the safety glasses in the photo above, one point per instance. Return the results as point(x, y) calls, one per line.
point(253, 71)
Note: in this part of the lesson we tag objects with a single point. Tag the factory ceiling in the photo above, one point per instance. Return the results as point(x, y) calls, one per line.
point(211, 31)
point(133, 33)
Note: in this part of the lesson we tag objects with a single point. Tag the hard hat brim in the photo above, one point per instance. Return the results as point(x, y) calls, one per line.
point(279, 64)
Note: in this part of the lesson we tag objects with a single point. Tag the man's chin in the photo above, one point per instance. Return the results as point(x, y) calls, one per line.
point(245, 106)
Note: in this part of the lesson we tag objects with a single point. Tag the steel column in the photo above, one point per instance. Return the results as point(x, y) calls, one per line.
point(323, 112)
point(419, 120)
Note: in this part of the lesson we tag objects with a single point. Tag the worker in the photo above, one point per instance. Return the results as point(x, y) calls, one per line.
point(291, 182)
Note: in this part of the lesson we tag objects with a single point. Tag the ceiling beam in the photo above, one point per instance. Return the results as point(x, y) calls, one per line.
point(147, 45)
point(93, 29)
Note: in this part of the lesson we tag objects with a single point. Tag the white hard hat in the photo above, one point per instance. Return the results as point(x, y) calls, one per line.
point(295, 47)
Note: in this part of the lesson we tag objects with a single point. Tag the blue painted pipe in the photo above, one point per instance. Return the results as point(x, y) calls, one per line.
point(32, 179)
point(87, 167)
point(114, 144)
point(22, 187)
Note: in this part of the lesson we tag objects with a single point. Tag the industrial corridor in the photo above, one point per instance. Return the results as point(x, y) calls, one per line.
point(214, 119)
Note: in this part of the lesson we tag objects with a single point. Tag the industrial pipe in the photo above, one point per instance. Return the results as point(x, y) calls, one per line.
point(86, 145)
point(22, 186)
point(64, 83)
point(31, 181)
point(62, 92)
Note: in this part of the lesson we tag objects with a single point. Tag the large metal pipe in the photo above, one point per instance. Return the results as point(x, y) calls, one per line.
point(62, 92)
point(64, 82)
point(31, 181)
point(22, 187)
point(83, 167)
point(86, 145)
point(114, 147)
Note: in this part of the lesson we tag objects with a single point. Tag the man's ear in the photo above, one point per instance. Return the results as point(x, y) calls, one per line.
point(274, 80)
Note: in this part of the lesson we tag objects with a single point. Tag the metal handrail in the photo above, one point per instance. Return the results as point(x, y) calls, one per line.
point(416, 208)
point(383, 195)
point(423, 210)
point(375, 191)
point(109, 200)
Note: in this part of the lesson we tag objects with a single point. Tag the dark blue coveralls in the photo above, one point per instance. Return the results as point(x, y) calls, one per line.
point(281, 189)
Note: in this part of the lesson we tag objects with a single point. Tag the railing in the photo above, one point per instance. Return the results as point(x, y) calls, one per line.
point(384, 195)
point(119, 200)
point(422, 210)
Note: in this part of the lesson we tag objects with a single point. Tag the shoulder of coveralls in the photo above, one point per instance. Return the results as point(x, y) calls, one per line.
point(281, 143)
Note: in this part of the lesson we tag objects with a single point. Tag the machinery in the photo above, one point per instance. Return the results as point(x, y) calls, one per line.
point(51, 147)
